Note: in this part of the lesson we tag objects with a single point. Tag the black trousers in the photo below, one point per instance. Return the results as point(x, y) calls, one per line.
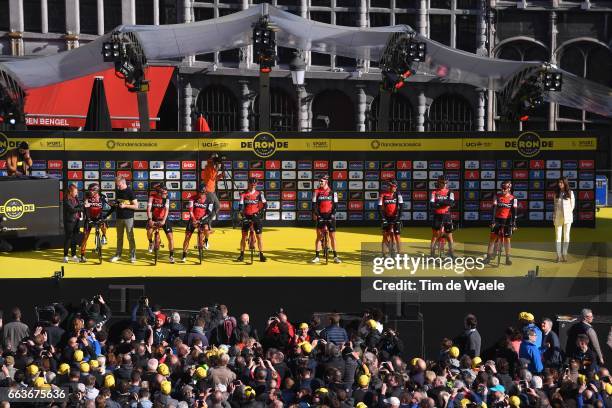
point(71, 232)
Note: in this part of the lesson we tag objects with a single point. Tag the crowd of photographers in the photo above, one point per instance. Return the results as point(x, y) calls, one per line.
point(215, 360)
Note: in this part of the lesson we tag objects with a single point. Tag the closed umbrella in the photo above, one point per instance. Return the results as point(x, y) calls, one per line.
point(98, 116)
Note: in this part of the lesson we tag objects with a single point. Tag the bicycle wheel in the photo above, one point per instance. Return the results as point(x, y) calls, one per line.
point(498, 249)
point(99, 246)
point(325, 248)
point(156, 247)
point(252, 244)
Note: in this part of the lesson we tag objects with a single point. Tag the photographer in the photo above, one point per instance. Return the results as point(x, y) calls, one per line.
point(212, 173)
point(98, 311)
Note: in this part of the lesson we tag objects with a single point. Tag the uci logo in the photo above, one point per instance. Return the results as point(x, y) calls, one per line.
point(14, 208)
point(264, 145)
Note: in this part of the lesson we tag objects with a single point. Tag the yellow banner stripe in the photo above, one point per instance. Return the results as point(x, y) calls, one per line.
point(131, 145)
point(314, 144)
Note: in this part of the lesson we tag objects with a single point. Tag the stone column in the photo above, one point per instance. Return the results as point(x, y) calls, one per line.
point(421, 109)
point(73, 24)
point(480, 111)
point(362, 105)
point(16, 27)
point(128, 12)
point(156, 12)
point(187, 101)
point(303, 101)
point(422, 18)
point(100, 7)
point(490, 93)
point(44, 16)
point(245, 103)
point(552, 107)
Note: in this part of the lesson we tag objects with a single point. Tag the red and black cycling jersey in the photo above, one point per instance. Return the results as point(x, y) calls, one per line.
point(324, 201)
point(252, 202)
point(200, 207)
point(96, 205)
point(159, 207)
point(442, 200)
point(504, 206)
point(390, 204)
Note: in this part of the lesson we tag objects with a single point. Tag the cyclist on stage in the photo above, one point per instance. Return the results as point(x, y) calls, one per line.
point(441, 202)
point(390, 209)
point(325, 203)
point(158, 208)
point(94, 205)
point(200, 214)
point(252, 209)
point(504, 217)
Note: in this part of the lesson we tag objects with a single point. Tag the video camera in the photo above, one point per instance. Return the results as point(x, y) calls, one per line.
point(217, 158)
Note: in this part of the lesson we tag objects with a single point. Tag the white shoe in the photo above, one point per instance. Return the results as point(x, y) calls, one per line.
point(206, 245)
point(65, 259)
point(75, 259)
point(133, 259)
point(171, 259)
point(104, 240)
point(115, 258)
point(337, 260)
point(150, 247)
point(315, 260)
point(184, 259)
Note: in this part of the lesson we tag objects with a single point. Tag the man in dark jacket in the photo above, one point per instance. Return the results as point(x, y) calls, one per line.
point(176, 328)
point(585, 356)
point(54, 331)
point(551, 349)
point(469, 341)
point(197, 332)
point(244, 327)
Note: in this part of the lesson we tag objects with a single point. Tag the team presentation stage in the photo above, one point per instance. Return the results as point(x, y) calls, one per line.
point(288, 166)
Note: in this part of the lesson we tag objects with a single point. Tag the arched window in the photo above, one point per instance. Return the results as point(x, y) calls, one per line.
point(592, 61)
point(337, 107)
point(401, 114)
point(219, 107)
point(523, 50)
point(283, 112)
point(450, 112)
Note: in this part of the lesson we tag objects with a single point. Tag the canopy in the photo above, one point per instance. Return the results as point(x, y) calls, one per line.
point(65, 104)
point(443, 64)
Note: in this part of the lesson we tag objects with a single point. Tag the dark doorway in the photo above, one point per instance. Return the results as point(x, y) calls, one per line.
point(337, 106)
point(168, 111)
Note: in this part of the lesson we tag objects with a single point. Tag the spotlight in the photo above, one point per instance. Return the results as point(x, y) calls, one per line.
point(552, 81)
point(416, 51)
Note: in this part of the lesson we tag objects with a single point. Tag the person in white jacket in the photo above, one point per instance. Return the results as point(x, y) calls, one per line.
point(563, 217)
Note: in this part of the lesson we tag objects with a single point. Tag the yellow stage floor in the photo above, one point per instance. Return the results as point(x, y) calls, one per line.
point(289, 250)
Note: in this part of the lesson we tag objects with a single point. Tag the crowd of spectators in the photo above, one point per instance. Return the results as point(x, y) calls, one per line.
point(215, 360)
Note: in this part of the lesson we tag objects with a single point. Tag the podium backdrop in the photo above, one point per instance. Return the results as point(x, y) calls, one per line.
point(29, 207)
point(288, 165)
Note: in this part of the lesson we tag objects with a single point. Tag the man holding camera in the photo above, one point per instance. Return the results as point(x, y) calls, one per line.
point(212, 173)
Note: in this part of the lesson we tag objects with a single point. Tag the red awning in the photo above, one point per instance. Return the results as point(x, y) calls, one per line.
point(65, 104)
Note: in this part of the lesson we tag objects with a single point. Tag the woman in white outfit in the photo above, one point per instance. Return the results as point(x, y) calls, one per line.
point(563, 217)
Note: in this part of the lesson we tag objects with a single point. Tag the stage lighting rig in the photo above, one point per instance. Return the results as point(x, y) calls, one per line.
point(400, 58)
point(525, 92)
point(124, 50)
point(264, 44)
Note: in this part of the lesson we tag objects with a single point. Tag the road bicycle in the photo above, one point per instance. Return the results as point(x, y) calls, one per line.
point(97, 249)
point(389, 238)
point(156, 242)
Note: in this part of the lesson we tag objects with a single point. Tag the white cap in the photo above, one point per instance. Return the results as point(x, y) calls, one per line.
point(393, 401)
